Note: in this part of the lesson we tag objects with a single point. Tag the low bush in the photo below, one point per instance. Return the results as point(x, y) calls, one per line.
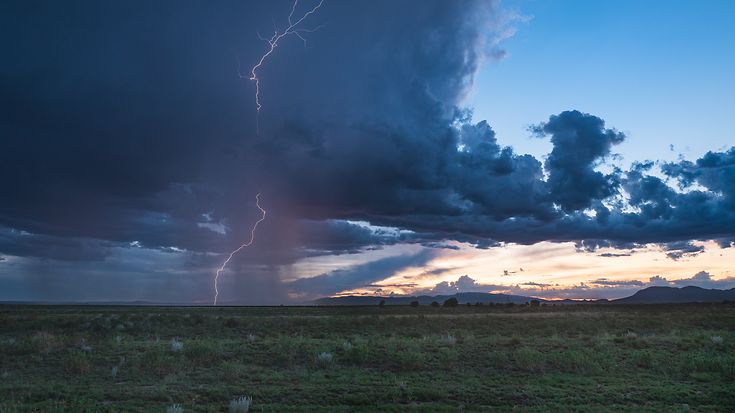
point(240, 404)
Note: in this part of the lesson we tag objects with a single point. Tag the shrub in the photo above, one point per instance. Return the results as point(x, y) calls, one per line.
point(414, 303)
point(451, 302)
point(382, 303)
point(240, 404)
point(716, 340)
point(449, 340)
point(324, 359)
point(175, 408)
point(176, 345)
point(434, 304)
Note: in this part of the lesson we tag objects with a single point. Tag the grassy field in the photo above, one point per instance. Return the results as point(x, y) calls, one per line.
point(367, 359)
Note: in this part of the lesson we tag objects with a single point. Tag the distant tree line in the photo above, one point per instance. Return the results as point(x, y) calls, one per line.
point(453, 302)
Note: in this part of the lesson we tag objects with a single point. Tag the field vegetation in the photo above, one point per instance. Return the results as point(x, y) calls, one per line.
point(366, 359)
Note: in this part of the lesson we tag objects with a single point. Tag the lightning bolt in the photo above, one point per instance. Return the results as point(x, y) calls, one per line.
point(292, 29)
point(232, 254)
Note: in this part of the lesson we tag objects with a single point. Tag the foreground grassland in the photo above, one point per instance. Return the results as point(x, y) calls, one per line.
point(572, 358)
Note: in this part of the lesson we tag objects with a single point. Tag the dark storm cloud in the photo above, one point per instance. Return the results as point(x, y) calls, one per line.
point(22, 244)
point(103, 134)
point(580, 141)
point(127, 122)
point(533, 209)
point(714, 171)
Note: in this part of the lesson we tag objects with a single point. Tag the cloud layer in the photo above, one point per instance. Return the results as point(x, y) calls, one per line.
point(128, 127)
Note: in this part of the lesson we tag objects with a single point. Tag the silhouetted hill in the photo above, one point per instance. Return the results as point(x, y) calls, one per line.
point(691, 294)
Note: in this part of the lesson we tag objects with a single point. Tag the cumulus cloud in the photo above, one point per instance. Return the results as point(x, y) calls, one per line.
point(464, 283)
point(592, 289)
point(704, 279)
point(580, 141)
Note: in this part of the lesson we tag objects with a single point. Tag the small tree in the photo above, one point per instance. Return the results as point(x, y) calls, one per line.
point(434, 304)
point(381, 304)
point(451, 302)
point(414, 303)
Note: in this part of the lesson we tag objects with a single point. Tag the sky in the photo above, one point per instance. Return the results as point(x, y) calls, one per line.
point(563, 149)
point(658, 71)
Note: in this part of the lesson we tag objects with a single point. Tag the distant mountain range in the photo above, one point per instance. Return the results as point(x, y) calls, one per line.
point(650, 295)
point(691, 294)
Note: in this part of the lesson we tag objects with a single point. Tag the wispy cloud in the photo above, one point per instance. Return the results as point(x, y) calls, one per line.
point(358, 276)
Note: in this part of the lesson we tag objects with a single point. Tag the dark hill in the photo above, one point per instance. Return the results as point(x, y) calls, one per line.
point(691, 294)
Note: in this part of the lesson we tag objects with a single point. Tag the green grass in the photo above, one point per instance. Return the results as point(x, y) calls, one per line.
point(572, 358)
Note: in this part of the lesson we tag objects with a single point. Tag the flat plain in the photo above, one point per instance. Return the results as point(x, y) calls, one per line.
point(368, 359)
